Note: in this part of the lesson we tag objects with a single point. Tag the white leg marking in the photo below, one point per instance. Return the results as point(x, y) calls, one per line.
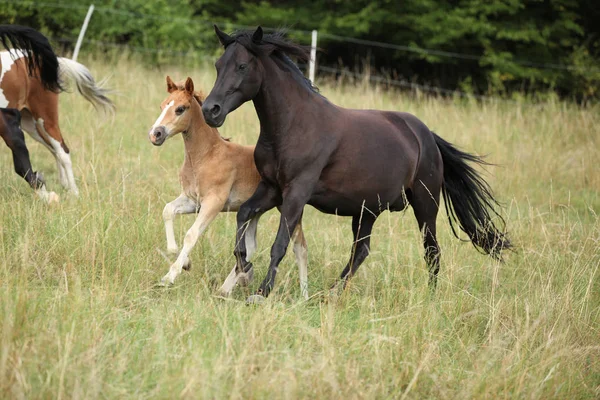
point(229, 283)
point(209, 209)
point(250, 238)
point(181, 205)
point(163, 113)
point(62, 158)
point(46, 196)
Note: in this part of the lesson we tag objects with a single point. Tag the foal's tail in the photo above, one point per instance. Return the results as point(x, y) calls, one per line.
point(40, 56)
point(86, 85)
point(469, 201)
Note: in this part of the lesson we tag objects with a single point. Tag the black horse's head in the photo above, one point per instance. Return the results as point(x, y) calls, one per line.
point(241, 70)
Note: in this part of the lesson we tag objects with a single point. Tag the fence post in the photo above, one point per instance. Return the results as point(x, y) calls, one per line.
point(313, 56)
point(82, 32)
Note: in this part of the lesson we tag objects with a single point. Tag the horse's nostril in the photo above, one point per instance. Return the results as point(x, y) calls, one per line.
point(215, 110)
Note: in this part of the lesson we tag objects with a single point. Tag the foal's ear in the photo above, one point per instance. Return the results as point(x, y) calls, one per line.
point(257, 35)
point(171, 86)
point(189, 86)
point(224, 38)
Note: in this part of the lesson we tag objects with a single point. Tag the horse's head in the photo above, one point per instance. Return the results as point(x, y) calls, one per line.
point(175, 116)
point(239, 77)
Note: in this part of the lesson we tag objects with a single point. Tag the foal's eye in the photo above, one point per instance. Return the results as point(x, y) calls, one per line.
point(179, 110)
point(242, 67)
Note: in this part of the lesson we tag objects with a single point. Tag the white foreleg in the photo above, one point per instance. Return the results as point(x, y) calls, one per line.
point(181, 205)
point(209, 209)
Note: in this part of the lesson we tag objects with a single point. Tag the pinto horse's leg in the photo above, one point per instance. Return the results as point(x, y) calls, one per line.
point(61, 152)
point(44, 115)
point(10, 130)
point(362, 225)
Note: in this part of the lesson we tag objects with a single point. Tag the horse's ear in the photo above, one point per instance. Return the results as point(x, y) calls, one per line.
point(224, 38)
point(257, 35)
point(171, 86)
point(189, 86)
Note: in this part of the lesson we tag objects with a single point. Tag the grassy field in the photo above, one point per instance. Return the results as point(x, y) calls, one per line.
point(80, 315)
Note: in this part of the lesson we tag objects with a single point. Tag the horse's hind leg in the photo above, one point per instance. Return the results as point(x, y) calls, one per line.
point(10, 130)
point(361, 228)
point(61, 152)
point(425, 203)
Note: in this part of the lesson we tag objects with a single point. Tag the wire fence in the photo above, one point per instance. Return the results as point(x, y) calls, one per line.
point(339, 38)
point(325, 69)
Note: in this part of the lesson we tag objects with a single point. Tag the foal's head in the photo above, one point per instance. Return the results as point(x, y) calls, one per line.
point(175, 116)
point(241, 71)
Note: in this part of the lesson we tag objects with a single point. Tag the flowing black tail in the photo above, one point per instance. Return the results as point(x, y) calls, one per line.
point(469, 201)
point(40, 56)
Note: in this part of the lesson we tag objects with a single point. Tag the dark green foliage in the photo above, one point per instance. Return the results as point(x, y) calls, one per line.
point(496, 45)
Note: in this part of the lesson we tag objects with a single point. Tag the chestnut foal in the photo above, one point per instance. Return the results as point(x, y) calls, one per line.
point(216, 176)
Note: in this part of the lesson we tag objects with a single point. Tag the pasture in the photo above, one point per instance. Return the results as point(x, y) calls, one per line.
point(81, 316)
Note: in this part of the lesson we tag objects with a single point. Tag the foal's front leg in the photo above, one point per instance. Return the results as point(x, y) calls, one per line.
point(181, 205)
point(210, 207)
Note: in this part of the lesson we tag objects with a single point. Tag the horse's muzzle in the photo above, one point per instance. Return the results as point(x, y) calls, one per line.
point(158, 135)
point(213, 114)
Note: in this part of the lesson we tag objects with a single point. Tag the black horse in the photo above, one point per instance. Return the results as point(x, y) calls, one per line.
point(354, 163)
point(41, 60)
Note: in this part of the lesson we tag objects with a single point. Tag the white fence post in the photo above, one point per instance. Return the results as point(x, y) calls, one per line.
point(313, 56)
point(82, 32)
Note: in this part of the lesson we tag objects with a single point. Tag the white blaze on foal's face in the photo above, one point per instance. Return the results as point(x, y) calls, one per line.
point(162, 115)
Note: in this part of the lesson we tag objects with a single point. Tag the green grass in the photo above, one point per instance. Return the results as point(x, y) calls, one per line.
point(80, 316)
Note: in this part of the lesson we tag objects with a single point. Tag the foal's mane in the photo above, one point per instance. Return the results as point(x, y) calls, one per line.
point(199, 97)
point(275, 44)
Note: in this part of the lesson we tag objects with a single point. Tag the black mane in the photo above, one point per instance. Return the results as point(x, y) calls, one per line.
point(277, 45)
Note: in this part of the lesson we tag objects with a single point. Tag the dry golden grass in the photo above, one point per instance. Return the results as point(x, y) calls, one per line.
point(80, 316)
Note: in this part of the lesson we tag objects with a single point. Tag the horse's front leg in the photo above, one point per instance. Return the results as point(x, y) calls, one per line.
point(210, 207)
point(294, 200)
point(181, 205)
point(265, 197)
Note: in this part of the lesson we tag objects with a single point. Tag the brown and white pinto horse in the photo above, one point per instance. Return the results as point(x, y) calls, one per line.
point(216, 176)
point(43, 63)
point(38, 104)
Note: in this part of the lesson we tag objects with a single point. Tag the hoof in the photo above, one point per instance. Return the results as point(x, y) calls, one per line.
point(165, 282)
point(245, 278)
point(53, 198)
point(255, 299)
point(173, 251)
point(188, 265)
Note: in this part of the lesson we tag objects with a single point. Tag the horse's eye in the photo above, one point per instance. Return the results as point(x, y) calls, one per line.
point(179, 110)
point(242, 67)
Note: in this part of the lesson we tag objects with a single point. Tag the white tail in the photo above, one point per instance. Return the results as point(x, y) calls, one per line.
point(86, 85)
